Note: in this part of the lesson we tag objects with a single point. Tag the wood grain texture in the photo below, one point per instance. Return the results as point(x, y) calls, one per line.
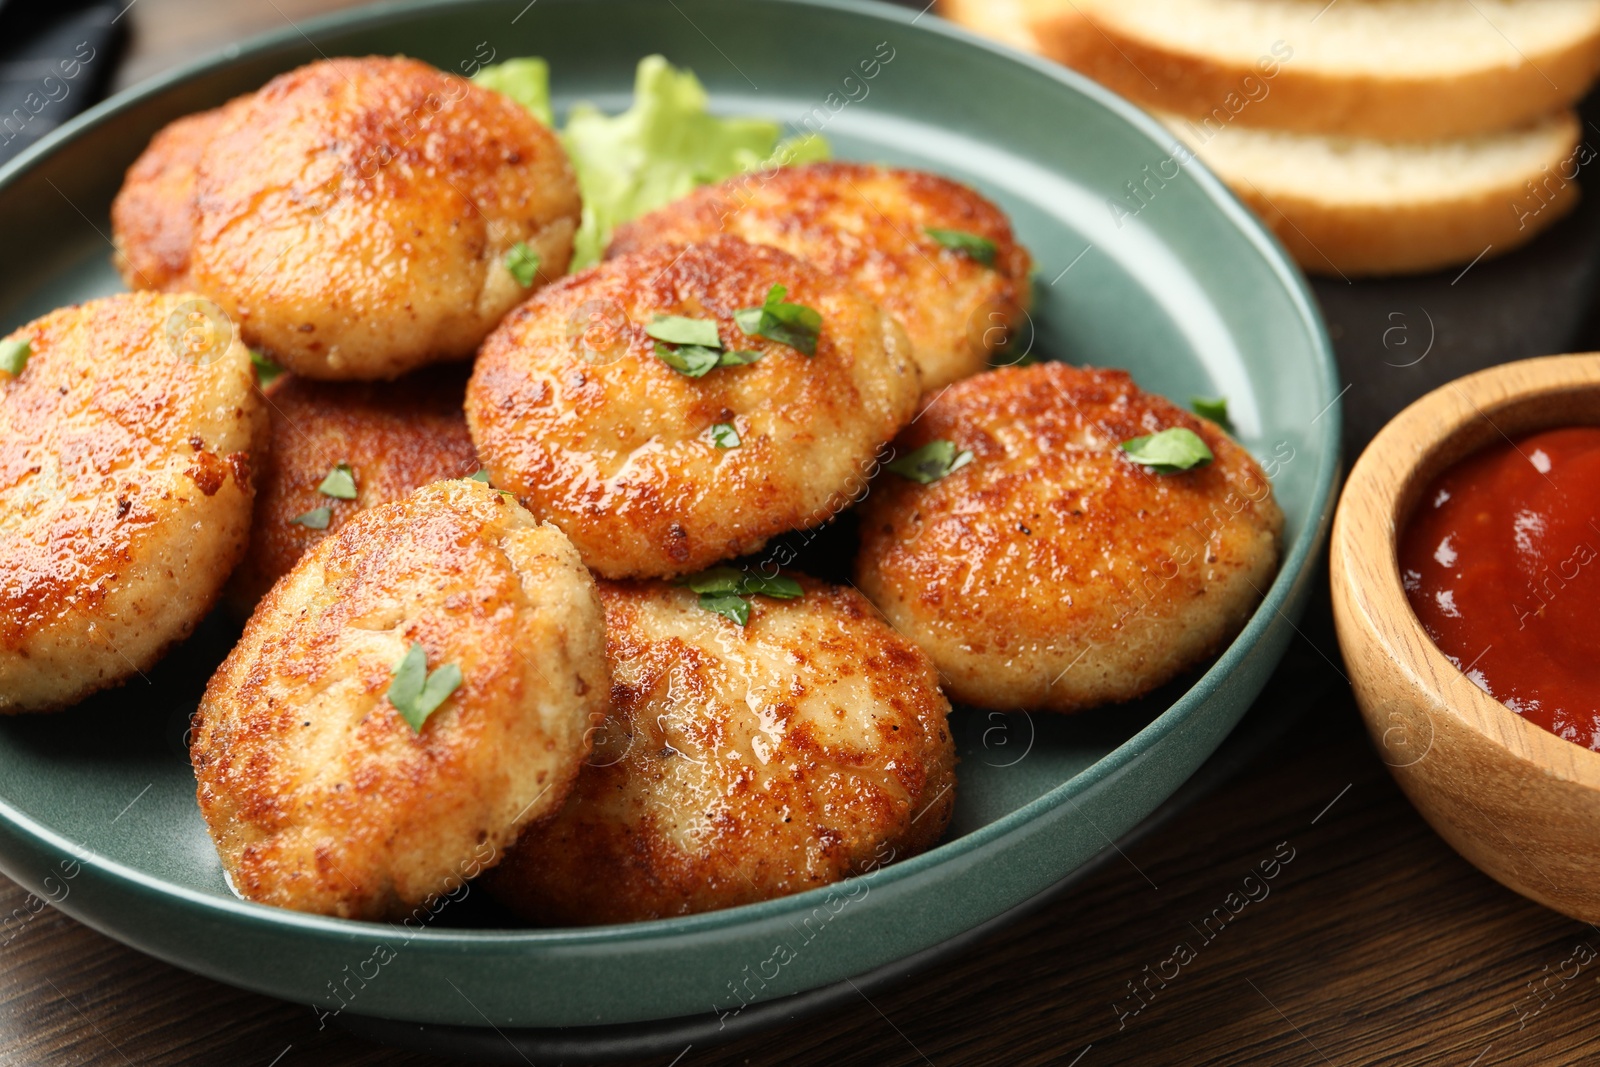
point(1516, 800)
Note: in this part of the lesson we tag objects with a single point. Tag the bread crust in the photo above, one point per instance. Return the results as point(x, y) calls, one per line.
point(1414, 236)
point(1347, 241)
point(1393, 105)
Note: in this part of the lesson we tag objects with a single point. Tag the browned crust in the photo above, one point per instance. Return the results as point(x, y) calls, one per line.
point(354, 213)
point(814, 812)
point(571, 410)
point(154, 216)
point(106, 408)
point(397, 437)
point(868, 225)
point(1052, 571)
point(319, 796)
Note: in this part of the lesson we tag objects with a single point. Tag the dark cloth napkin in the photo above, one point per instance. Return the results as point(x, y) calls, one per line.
point(56, 59)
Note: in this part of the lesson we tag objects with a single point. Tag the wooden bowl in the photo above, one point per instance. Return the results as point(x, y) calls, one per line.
point(1520, 803)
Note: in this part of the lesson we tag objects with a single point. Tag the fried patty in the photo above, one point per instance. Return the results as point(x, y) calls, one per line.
point(740, 763)
point(1052, 571)
point(395, 437)
point(869, 225)
point(318, 794)
point(125, 490)
point(354, 216)
point(653, 472)
point(153, 217)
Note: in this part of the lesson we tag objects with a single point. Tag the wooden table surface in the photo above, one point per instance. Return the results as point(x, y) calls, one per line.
point(1373, 943)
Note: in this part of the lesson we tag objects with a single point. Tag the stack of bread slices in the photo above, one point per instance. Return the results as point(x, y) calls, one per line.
point(1373, 136)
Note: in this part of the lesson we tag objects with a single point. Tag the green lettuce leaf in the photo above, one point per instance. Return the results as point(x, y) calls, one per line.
point(527, 81)
point(660, 149)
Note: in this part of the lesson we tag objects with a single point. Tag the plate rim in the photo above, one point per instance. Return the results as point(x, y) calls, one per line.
point(1292, 567)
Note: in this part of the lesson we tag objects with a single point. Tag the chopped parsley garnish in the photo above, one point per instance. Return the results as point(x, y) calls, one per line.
point(726, 591)
point(267, 371)
point(728, 606)
point(777, 320)
point(931, 462)
point(340, 483)
point(681, 330)
point(693, 361)
point(691, 346)
point(315, 519)
point(725, 435)
point(14, 356)
point(968, 244)
point(1216, 410)
point(733, 580)
point(1170, 451)
point(416, 693)
point(523, 263)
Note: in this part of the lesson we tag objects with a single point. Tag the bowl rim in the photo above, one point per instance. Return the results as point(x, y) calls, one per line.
point(1296, 557)
point(1411, 449)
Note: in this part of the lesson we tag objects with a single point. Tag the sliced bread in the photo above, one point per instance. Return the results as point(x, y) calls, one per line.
point(1389, 69)
point(1348, 207)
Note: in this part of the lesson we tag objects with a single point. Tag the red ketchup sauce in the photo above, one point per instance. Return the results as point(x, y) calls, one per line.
point(1501, 563)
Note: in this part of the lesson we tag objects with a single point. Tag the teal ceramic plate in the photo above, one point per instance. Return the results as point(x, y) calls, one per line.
point(97, 809)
